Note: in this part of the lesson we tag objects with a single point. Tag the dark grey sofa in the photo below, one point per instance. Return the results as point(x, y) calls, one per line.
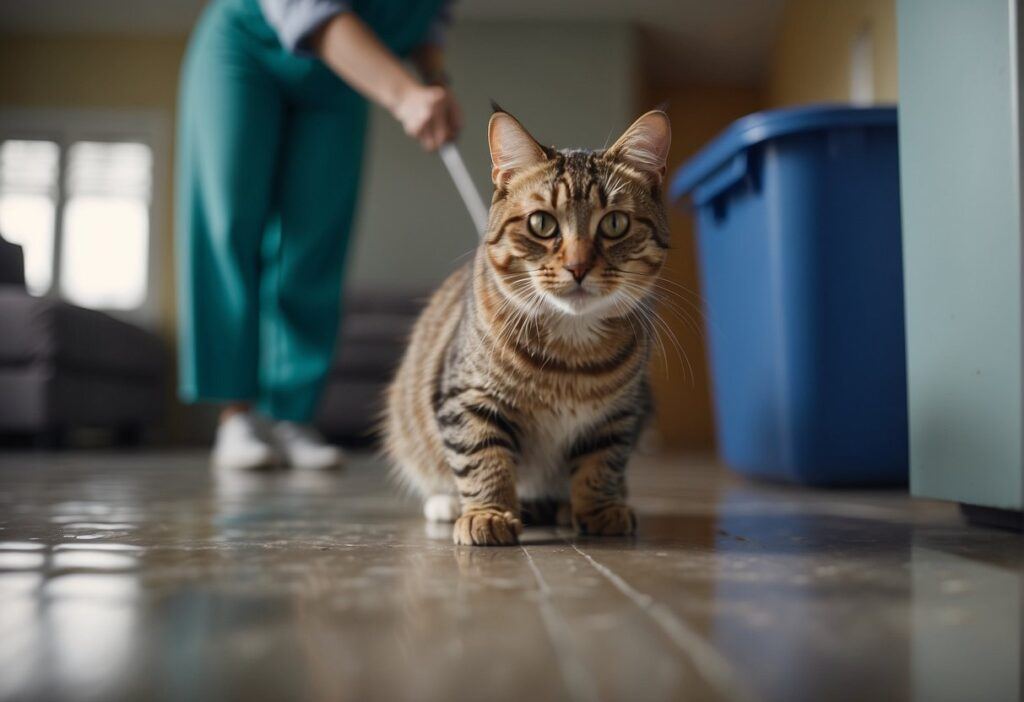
point(373, 336)
point(64, 367)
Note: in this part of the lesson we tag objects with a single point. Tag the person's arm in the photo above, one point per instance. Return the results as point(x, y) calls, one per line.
point(351, 49)
point(429, 56)
point(429, 62)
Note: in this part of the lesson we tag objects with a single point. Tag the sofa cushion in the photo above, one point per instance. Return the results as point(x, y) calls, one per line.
point(360, 326)
point(367, 359)
point(351, 409)
point(38, 329)
point(375, 331)
point(34, 398)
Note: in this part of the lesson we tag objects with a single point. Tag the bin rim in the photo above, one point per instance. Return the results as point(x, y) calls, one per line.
point(770, 124)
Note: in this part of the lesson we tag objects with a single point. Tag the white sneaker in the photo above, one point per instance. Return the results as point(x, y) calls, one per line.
point(303, 447)
point(239, 445)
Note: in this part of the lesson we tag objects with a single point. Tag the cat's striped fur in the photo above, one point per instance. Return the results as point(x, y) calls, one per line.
point(525, 378)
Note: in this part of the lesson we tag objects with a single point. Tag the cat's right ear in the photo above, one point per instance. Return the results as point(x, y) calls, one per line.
point(512, 147)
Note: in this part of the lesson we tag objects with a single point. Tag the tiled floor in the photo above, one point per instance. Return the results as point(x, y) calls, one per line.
point(145, 577)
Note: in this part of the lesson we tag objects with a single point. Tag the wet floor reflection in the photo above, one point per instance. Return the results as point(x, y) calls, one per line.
point(121, 581)
point(967, 626)
point(88, 559)
point(89, 624)
point(863, 593)
point(801, 588)
point(70, 634)
point(21, 560)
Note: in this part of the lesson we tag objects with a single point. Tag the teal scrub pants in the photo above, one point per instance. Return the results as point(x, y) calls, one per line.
point(270, 146)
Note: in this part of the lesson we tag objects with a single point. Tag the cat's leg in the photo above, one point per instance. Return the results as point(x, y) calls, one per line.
point(441, 508)
point(598, 486)
point(481, 445)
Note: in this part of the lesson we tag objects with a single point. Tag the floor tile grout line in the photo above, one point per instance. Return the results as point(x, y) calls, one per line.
point(574, 672)
point(708, 661)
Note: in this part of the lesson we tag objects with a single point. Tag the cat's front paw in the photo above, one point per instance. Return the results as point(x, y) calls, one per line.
point(610, 520)
point(487, 527)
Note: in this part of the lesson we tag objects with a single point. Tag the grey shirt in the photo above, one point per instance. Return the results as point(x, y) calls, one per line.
point(295, 20)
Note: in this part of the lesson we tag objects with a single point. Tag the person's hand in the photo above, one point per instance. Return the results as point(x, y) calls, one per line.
point(430, 115)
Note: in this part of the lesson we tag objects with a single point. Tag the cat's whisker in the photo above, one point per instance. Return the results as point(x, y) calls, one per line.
point(463, 255)
point(669, 298)
point(681, 286)
point(682, 315)
point(690, 307)
point(669, 286)
point(653, 333)
point(627, 316)
point(680, 351)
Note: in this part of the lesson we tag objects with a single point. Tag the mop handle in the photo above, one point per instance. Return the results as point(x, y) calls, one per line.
point(464, 184)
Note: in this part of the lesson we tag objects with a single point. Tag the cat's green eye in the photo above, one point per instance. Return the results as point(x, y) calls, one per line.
point(614, 224)
point(542, 225)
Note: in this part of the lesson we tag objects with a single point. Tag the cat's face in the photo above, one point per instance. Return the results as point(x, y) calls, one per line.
point(583, 233)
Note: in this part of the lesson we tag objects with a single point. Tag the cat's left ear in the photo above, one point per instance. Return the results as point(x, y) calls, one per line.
point(645, 144)
point(512, 147)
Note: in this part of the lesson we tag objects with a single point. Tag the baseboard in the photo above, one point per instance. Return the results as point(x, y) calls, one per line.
point(1010, 519)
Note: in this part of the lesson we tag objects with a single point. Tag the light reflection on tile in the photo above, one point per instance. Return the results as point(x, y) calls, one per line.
point(20, 546)
point(112, 586)
point(82, 507)
point(91, 644)
point(967, 638)
point(94, 560)
point(97, 547)
point(21, 637)
point(19, 583)
point(21, 560)
point(101, 526)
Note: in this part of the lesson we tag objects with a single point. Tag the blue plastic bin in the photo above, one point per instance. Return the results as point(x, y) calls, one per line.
point(798, 219)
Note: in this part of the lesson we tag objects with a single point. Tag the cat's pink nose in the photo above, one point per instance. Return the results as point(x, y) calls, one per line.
point(579, 269)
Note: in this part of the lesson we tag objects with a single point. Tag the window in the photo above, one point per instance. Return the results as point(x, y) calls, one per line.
point(28, 202)
point(105, 242)
point(79, 203)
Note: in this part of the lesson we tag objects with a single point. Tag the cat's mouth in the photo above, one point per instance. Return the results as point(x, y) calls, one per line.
point(578, 293)
point(576, 300)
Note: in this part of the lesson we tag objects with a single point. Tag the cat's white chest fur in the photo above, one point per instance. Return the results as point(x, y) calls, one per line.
point(546, 439)
point(543, 470)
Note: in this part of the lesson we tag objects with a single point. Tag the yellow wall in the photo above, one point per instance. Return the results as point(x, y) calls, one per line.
point(101, 73)
point(811, 59)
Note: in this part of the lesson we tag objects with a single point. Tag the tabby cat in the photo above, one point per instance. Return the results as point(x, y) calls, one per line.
point(525, 377)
